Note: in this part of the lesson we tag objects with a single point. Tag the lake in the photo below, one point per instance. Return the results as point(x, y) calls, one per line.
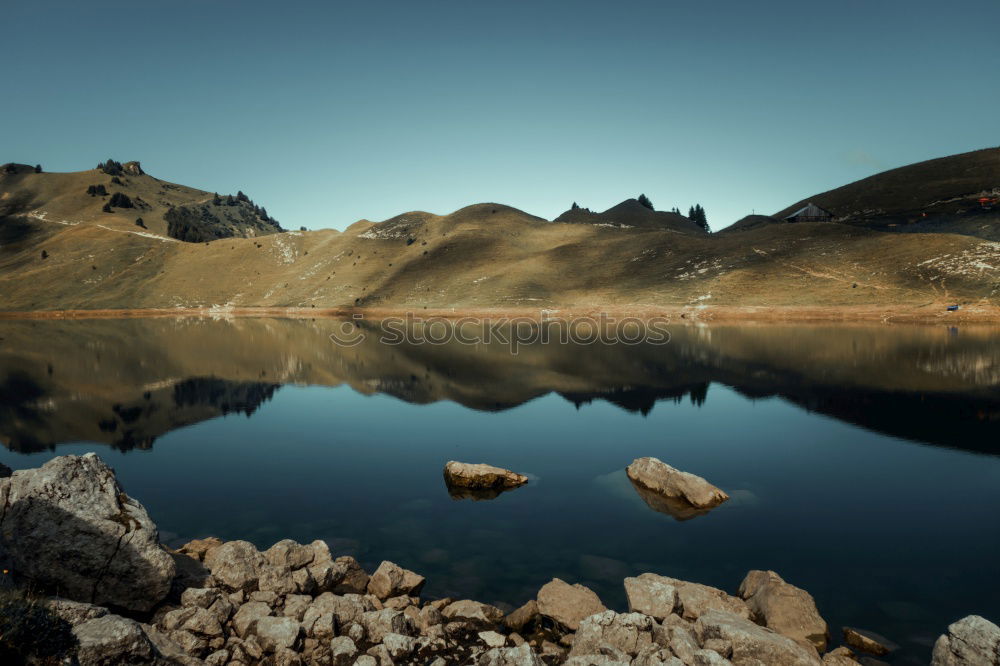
point(862, 461)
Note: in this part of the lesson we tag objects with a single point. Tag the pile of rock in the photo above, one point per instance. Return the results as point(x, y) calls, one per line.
point(293, 604)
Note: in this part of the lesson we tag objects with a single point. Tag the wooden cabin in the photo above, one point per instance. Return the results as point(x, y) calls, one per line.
point(810, 213)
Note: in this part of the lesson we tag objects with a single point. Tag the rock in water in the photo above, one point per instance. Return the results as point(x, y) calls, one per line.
point(69, 526)
point(971, 640)
point(479, 481)
point(868, 641)
point(669, 490)
point(785, 608)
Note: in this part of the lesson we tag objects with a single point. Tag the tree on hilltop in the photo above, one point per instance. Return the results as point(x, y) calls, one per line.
point(644, 200)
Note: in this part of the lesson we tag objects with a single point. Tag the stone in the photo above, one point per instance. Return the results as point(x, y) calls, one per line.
point(264, 596)
point(342, 651)
point(842, 656)
point(787, 609)
point(654, 655)
point(568, 604)
point(366, 660)
point(652, 595)
point(479, 476)
point(247, 616)
point(346, 609)
point(275, 633)
point(399, 646)
point(201, 597)
point(511, 656)
point(69, 526)
point(709, 658)
point(235, 564)
point(693, 599)
point(74, 612)
point(112, 639)
point(391, 580)
point(522, 617)
point(286, 657)
point(287, 553)
point(628, 632)
point(276, 579)
point(868, 641)
point(296, 605)
point(217, 658)
point(176, 618)
point(198, 548)
point(971, 640)
point(351, 578)
point(202, 622)
point(304, 582)
point(473, 613)
point(492, 639)
point(674, 486)
point(387, 621)
point(750, 643)
point(682, 641)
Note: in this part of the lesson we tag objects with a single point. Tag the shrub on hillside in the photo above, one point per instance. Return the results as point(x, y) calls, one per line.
point(29, 632)
point(107, 208)
point(140, 223)
point(97, 191)
point(121, 200)
point(111, 168)
point(38, 168)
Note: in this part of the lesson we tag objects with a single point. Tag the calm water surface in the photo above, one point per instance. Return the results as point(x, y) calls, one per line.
point(862, 461)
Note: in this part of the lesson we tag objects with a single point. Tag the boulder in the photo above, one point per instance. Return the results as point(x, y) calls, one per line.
point(69, 526)
point(479, 481)
point(277, 633)
point(522, 617)
point(630, 633)
point(235, 564)
point(568, 604)
point(748, 643)
point(198, 548)
point(868, 641)
point(681, 494)
point(112, 639)
point(511, 656)
point(693, 599)
point(350, 577)
point(74, 612)
point(248, 615)
point(342, 651)
point(386, 621)
point(785, 608)
point(971, 640)
point(842, 656)
point(391, 580)
point(287, 553)
point(651, 594)
point(473, 613)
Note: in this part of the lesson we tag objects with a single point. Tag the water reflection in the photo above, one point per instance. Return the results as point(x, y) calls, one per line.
point(125, 383)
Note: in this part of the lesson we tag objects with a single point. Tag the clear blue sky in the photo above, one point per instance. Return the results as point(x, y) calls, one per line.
point(328, 112)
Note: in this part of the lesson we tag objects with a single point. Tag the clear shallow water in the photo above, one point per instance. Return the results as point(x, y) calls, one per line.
point(862, 462)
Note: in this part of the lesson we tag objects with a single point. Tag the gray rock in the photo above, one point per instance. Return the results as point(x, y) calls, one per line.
point(111, 640)
point(492, 639)
point(669, 490)
point(789, 610)
point(629, 633)
point(651, 594)
point(235, 564)
point(709, 658)
point(342, 651)
point(68, 525)
point(386, 621)
point(971, 640)
point(399, 646)
point(296, 605)
point(568, 604)
point(201, 597)
point(350, 577)
point(693, 599)
point(247, 616)
point(751, 644)
point(475, 614)
point(366, 660)
point(522, 617)
point(510, 656)
point(478, 476)
point(275, 633)
point(287, 553)
point(391, 580)
point(74, 612)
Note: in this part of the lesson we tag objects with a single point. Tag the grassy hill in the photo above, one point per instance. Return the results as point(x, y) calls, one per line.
point(58, 250)
point(631, 213)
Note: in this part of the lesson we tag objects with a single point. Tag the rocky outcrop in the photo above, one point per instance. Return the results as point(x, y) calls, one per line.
point(567, 604)
point(668, 490)
point(789, 610)
point(479, 481)
point(971, 640)
point(69, 526)
point(743, 642)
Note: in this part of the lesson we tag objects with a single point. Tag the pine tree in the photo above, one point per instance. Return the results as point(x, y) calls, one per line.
point(644, 200)
point(697, 215)
point(38, 168)
point(574, 206)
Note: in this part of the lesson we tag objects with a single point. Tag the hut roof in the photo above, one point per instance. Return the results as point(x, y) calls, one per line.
point(810, 210)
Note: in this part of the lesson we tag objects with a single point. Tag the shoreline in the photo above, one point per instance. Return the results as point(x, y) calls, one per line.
point(763, 314)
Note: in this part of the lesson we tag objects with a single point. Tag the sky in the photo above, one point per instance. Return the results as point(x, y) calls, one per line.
point(330, 112)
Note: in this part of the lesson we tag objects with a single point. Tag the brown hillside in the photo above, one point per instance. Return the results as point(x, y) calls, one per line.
point(631, 213)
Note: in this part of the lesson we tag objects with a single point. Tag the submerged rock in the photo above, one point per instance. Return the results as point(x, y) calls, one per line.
point(789, 610)
point(868, 641)
point(69, 526)
point(971, 640)
point(479, 481)
point(668, 490)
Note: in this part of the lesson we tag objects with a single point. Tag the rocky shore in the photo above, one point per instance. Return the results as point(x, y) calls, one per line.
point(90, 558)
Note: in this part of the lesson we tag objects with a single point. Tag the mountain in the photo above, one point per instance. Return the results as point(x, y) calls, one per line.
point(631, 214)
point(940, 195)
point(59, 251)
point(116, 196)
